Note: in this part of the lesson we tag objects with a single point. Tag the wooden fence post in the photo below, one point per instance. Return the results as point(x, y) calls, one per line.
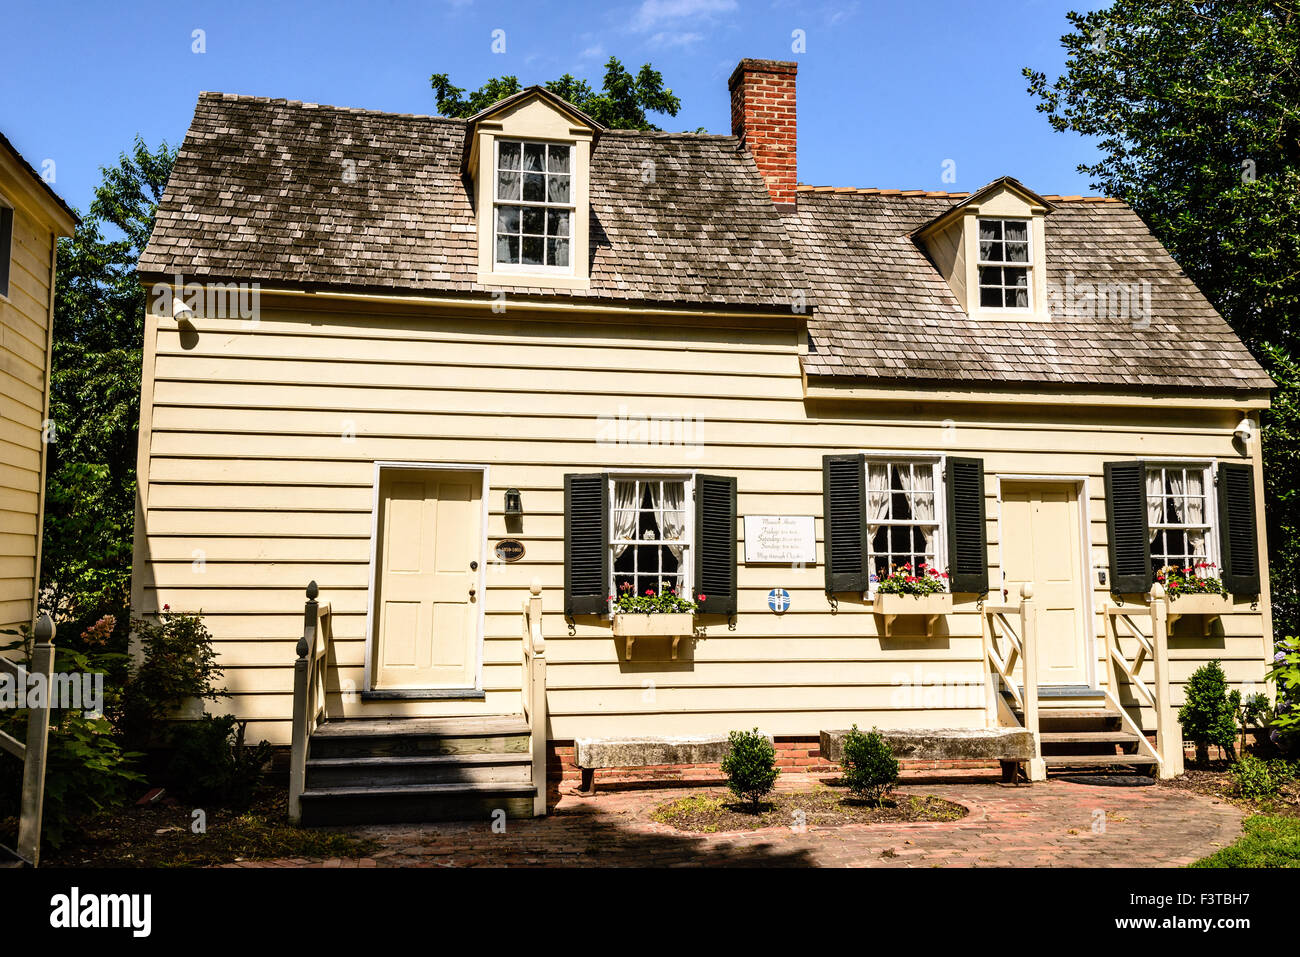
point(38, 736)
point(1169, 733)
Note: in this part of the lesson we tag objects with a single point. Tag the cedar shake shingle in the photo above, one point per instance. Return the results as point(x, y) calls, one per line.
point(258, 194)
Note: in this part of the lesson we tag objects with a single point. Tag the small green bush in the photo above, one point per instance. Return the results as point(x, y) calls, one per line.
point(750, 766)
point(869, 768)
point(179, 666)
point(212, 766)
point(1259, 780)
point(1208, 716)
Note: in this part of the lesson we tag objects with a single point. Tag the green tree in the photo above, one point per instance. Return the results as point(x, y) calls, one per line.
point(1207, 716)
point(621, 103)
point(1195, 108)
point(95, 394)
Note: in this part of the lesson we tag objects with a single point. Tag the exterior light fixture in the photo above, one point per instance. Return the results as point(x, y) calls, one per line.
point(1244, 430)
point(514, 502)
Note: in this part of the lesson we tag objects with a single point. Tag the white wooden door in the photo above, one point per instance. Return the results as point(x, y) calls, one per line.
point(426, 623)
point(1040, 543)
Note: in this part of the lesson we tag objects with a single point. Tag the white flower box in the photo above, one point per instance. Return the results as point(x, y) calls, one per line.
point(1209, 606)
point(890, 606)
point(675, 625)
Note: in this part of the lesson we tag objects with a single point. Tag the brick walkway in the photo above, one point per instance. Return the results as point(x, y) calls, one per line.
point(1046, 825)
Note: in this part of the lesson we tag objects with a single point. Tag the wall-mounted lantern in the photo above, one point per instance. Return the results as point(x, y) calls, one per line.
point(514, 503)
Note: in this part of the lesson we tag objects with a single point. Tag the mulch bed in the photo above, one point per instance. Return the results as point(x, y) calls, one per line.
point(821, 806)
point(160, 835)
point(1215, 782)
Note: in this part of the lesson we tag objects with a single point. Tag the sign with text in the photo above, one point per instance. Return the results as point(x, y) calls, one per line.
point(780, 540)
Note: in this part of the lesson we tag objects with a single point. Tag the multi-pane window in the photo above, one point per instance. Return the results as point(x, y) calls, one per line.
point(903, 515)
point(1004, 263)
point(533, 212)
point(650, 534)
point(1178, 516)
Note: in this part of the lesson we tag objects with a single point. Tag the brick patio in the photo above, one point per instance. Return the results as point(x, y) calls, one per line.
point(1047, 825)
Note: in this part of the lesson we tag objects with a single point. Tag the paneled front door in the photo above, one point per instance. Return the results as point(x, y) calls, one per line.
point(1040, 532)
point(426, 619)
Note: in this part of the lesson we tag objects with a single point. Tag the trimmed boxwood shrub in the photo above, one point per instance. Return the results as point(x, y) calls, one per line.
point(869, 768)
point(750, 766)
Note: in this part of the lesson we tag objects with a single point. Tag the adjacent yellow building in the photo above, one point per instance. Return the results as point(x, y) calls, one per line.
point(32, 218)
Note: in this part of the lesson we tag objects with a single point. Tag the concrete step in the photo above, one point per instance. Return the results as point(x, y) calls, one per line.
point(398, 804)
point(512, 768)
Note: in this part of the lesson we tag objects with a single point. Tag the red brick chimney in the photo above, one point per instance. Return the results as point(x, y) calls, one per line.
point(763, 116)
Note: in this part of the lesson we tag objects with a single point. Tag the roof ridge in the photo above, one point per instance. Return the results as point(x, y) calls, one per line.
point(939, 194)
point(211, 95)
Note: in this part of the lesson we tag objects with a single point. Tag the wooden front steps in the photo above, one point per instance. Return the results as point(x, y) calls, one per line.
point(394, 770)
point(1078, 728)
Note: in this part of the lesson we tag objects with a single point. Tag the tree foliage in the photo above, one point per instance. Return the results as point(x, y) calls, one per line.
point(1196, 110)
point(95, 393)
point(621, 104)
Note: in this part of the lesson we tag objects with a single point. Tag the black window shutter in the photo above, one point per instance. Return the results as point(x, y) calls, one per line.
point(715, 544)
point(586, 544)
point(968, 563)
point(1126, 527)
point(1238, 542)
point(844, 510)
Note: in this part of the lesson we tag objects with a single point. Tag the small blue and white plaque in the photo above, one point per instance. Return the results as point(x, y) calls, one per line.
point(778, 599)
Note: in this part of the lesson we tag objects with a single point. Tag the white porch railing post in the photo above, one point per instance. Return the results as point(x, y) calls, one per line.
point(539, 713)
point(302, 704)
point(1037, 770)
point(1169, 734)
point(32, 806)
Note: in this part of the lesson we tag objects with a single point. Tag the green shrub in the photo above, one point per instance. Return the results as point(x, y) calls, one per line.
point(869, 768)
point(212, 766)
point(1207, 716)
point(1259, 780)
point(179, 666)
point(750, 766)
point(86, 770)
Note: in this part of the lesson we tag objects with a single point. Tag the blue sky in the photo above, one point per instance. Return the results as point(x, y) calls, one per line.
point(887, 91)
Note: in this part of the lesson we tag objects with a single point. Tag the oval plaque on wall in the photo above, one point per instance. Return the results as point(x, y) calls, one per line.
point(510, 550)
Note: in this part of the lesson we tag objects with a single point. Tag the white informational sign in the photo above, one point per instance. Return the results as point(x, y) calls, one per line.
point(780, 540)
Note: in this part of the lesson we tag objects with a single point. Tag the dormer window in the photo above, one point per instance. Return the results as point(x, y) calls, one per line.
point(990, 248)
point(1004, 263)
point(533, 209)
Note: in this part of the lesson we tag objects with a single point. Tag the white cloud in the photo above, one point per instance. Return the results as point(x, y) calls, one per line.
point(653, 13)
point(664, 39)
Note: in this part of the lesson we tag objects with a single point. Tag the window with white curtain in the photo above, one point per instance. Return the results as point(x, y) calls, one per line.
point(533, 211)
point(650, 533)
point(904, 515)
point(1004, 263)
point(1179, 516)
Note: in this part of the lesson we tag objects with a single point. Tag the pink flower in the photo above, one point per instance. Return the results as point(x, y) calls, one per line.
point(703, 597)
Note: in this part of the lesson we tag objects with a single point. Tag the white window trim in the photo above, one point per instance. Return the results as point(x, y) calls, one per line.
point(529, 268)
point(937, 461)
point(1211, 484)
point(656, 475)
point(1027, 266)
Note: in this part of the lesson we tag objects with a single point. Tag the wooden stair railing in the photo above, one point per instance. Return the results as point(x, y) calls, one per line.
point(1168, 749)
point(534, 691)
point(34, 752)
point(1003, 645)
point(309, 691)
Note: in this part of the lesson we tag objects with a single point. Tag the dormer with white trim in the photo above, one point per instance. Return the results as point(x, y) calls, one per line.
point(529, 158)
point(990, 249)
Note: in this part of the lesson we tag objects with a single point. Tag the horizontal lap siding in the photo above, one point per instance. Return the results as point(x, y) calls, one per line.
point(262, 439)
point(24, 331)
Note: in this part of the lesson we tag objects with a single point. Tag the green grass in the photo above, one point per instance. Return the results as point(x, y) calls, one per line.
point(1269, 841)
